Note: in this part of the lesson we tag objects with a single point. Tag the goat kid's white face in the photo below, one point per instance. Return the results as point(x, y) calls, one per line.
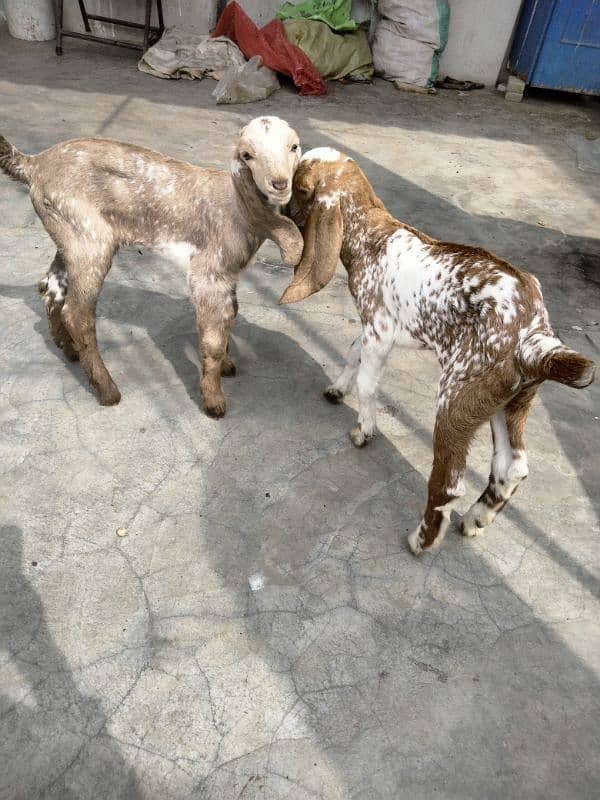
point(271, 150)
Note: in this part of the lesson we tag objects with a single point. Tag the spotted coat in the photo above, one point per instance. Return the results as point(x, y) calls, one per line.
point(484, 318)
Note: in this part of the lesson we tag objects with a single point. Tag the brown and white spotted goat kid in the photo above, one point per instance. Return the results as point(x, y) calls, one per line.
point(485, 319)
point(96, 195)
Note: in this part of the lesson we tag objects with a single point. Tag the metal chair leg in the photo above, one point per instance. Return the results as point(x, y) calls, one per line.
point(84, 16)
point(59, 26)
point(149, 32)
point(147, 23)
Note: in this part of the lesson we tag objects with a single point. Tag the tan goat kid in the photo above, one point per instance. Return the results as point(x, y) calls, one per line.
point(485, 319)
point(96, 195)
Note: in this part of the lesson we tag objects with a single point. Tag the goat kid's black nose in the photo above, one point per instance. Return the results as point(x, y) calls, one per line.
point(279, 184)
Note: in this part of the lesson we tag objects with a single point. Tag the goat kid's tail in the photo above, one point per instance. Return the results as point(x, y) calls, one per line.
point(545, 357)
point(567, 366)
point(14, 163)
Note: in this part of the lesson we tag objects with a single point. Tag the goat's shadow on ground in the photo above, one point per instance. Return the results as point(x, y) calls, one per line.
point(367, 639)
point(169, 322)
point(307, 537)
point(53, 728)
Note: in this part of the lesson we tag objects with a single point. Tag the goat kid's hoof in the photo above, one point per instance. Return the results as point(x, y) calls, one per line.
point(416, 542)
point(359, 438)
point(69, 351)
point(228, 369)
point(332, 395)
point(215, 410)
point(111, 397)
point(471, 527)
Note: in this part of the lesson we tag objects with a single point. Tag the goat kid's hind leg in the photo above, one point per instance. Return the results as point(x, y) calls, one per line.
point(54, 288)
point(86, 276)
point(462, 409)
point(509, 463)
point(344, 383)
point(450, 447)
point(375, 348)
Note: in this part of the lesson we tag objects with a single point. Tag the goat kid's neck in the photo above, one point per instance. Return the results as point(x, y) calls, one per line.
point(367, 228)
point(256, 211)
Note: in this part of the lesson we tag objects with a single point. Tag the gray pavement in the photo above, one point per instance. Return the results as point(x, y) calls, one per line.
point(261, 630)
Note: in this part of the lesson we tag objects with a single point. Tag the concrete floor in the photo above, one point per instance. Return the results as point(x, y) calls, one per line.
point(262, 631)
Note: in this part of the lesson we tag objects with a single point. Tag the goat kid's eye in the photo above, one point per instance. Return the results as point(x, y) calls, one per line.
point(295, 148)
point(246, 156)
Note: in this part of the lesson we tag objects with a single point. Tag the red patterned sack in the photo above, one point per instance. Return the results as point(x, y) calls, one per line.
point(272, 45)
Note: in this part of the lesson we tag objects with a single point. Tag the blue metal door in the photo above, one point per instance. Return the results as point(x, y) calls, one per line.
point(557, 45)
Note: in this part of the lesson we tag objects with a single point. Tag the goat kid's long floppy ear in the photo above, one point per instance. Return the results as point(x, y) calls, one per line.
point(322, 245)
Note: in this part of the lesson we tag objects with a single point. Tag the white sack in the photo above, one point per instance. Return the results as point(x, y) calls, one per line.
point(417, 19)
point(399, 58)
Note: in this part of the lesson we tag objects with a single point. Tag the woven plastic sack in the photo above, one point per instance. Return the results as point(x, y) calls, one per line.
point(271, 44)
point(418, 19)
point(406, 49)
point(335, 55)
point(246, 84)
point(398, 58)
point(335, 13)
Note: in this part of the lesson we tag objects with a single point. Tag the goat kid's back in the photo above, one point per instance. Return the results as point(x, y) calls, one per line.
point(477, 312)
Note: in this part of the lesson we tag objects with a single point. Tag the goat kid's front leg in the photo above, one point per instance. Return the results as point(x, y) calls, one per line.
point(228, 369)
point(340, 387)
point(288, 239)
point(214, 300)
point(374, 351)
point(213, 349)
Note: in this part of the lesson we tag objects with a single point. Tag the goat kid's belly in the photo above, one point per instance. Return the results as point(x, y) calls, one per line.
point(404, 338)
point(179, 252)
point(398, 316)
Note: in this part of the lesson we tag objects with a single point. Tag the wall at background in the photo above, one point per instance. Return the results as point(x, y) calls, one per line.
point(478, 40)
point(479, 36)
point(194, 15)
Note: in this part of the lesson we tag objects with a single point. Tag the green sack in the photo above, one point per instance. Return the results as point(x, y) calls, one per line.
point(335, 13)
point(335, 55)
point(444, 23)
